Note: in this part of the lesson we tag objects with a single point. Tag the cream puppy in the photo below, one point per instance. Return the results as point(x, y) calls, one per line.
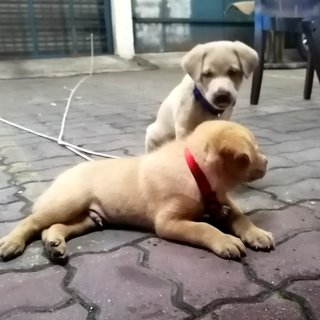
point(166, 191)
point(209, 90)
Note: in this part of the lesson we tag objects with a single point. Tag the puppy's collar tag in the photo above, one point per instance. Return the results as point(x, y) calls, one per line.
point(209, 196)
point(204, 103)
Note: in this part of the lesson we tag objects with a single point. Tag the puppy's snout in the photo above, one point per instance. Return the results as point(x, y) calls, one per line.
point(264, 161)
point(222, 99)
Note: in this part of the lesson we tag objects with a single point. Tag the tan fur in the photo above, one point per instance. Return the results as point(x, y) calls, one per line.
point(216, 68)
point(155, 191)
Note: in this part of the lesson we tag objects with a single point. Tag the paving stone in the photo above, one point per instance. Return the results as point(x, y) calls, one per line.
point(309, 290)
point(264, 141)
point(141, 294)
point(279, 137)
point(290, 147)
point(205, 276)
point(100, 140)
point(275, 161)
point(45, 164)
point(73, 312)
point(273, 308)
point(3, 179)
point(249, 199)
point(310, 154)
point(34, 189)
point(302, 190)
point(105, 240)
point(286, 176)
point(7, 195)
point(15, 289)
point(5, 227)
point(312, 205)
point(47, 174)
point(11, 211)
point(268, 133)
point(296, 257)
point(288, 221)
point(34, 152)
point(19, 166)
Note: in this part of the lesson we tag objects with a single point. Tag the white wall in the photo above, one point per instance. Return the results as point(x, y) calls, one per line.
point(122, 28)
point(151, 35)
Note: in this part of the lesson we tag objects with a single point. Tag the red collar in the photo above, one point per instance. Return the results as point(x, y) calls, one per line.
point(208, 195)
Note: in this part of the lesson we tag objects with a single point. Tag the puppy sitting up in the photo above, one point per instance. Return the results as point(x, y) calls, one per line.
point(208, 91)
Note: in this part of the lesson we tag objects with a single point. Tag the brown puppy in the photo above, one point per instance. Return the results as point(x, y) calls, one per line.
point(156, 191)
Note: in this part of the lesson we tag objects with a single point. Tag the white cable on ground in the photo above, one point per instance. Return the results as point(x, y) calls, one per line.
point(75, 149)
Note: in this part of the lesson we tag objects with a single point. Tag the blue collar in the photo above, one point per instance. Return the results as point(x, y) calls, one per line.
point(204, 103)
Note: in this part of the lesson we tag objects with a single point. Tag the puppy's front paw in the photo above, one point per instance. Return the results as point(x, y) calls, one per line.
point(257, 238)
point(10, 248)
point(229, 247)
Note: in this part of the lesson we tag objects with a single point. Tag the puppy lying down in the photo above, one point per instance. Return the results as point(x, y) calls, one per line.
point(167, 190)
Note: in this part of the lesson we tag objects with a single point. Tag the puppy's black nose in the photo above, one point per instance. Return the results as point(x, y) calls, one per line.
point(222, 98)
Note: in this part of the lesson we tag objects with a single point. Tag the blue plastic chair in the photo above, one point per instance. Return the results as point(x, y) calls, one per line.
point(277, 16)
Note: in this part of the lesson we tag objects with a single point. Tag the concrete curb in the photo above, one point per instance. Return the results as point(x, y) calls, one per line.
point(63, 67)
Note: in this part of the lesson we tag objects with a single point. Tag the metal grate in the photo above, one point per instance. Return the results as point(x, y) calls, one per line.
point(44, 28)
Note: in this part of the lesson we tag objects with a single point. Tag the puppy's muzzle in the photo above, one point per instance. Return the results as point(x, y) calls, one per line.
point(258, 173)
point(223, 99)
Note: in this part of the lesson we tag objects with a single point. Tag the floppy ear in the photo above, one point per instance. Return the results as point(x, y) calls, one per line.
point(236, 156)
point(192, 62)
point(248, 57)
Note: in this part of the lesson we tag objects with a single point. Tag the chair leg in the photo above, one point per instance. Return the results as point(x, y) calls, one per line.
point(308, 80)
point(260, 46)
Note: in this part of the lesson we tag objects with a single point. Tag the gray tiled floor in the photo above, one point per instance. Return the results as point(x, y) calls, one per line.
point(129, 275)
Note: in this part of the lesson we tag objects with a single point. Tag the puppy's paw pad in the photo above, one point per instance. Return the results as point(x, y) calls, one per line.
point(259, 239)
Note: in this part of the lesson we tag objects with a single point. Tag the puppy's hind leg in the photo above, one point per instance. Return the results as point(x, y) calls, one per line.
point(54, 206)
point(54, 238)
point(155, 137)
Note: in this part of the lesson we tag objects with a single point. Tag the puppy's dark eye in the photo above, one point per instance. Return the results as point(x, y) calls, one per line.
point(232, 73)
point(208, 74)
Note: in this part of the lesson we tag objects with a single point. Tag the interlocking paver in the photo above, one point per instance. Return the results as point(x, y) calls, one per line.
point(156, 279)
point(305, 189)
point(197, 268)
point(295, 258)
point(249, 199)
point(12, 211)
point(3, 179)
point(140, 294)
point(286, 176)
point(103, 240)
point(7, 195)
point(273, 308)
point(310, 290)
point(287, 222)
point(73, 312)
point(275, 161)
point(30, 289)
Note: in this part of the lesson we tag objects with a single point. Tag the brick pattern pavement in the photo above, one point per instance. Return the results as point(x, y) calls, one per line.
point(131, 275)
